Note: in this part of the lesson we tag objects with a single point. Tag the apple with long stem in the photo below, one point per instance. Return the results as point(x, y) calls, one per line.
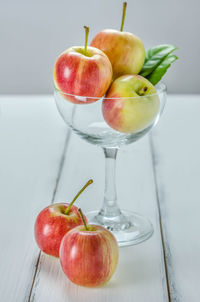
point(54, 221)
point(125, 51)
point(89, 254)
point(82, 71)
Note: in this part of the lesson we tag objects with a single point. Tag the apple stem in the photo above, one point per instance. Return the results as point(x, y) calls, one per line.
point(77, 195)
point(123, 15)
point(86, 38)
point(142, 91)
point(83, 219)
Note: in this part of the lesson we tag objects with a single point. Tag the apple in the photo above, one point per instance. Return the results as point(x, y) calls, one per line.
point(89, 255)
point(82, 71)
point(125, 51)
point(53, 222)
point(131, 104)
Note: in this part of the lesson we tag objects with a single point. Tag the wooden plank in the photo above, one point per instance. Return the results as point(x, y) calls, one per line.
point(176, 149)
point(32, 138)
point(140, 275)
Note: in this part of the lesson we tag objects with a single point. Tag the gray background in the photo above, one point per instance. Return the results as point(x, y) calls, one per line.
point(33, 33)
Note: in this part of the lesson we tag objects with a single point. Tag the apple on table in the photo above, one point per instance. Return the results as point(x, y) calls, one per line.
point(54, 221)
point(89, 254)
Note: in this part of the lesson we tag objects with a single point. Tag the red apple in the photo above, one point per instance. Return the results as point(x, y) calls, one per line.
point(89, 255)
point(125, 51)
point(82, 71)
point(131, 104)
point(53, 222)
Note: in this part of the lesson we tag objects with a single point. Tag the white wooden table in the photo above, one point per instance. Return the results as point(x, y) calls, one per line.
point(159, 176)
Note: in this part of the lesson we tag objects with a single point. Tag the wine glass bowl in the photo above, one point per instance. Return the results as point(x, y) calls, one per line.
point(89, 118)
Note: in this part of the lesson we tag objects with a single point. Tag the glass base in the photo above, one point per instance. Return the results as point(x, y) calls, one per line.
point(129, 228)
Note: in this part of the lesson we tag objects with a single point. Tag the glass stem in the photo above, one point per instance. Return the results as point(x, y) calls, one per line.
point(110, 207)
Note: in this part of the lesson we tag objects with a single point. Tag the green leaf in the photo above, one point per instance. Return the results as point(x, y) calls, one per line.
point(161, 69)
point(154, 57)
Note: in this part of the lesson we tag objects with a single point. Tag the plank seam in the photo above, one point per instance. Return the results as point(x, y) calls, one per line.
point(34, 276)
point(174, 294)
point(60, 168)
point(62, 161)
point(160, 219)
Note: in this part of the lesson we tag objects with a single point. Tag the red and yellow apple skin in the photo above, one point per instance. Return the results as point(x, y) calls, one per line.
point(52, 224)
point(84, 75)
point(134, 106)
point(89, 258)
point(125, 51)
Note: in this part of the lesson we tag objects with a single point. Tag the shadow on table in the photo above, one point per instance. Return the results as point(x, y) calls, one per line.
point(134, 273)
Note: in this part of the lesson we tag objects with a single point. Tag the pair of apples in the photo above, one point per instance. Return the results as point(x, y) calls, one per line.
point(109, 67)
point(88, 253)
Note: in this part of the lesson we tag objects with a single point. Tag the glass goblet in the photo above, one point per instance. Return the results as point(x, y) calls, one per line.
point(86, 117)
